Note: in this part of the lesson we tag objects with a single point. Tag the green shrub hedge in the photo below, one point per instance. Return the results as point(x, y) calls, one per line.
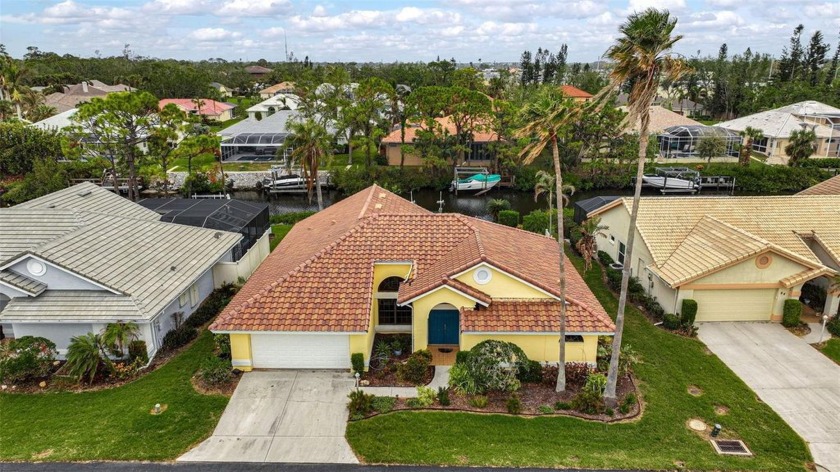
point(509, 218)
point(689, 311)
point(671, 321)
point(290, 218)
point(357, 360)
point(833, 326)
point(178, 337)
point(137, 351)
point(792, 312)
point(26, 358)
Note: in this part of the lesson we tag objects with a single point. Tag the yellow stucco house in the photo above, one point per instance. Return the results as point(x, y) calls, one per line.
point(740, 258)
point(376, 263)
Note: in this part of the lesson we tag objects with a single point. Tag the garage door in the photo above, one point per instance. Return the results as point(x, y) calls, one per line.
point(734, 305)
point(300, 351)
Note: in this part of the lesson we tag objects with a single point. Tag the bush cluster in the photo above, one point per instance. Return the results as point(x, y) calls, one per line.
point(178, 337)
point(530, 372)
point(577, 372)
point(383, 404)
point(137, 351)
point(491, 366)
point(514, 404)
point(414, 368)
point(354, 179)
point(688, 312)
point(26, 358)
point(360, 405)
point(215, 371)
point(509, 218)
point(357, 360)
point(791, 313)
point(833, 326)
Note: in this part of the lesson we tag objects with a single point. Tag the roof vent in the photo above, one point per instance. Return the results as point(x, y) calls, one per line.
point(731, 447)
point(173, 268)
point(218, 235)
point(84, 193)
point(382, 195)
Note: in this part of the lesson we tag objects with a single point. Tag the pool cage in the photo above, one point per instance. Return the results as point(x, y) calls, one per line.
point(682, 141)
point(253, 146)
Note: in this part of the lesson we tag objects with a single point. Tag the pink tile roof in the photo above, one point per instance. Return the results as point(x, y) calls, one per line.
point(320, 277)
point(208, 107)
point(479, 136)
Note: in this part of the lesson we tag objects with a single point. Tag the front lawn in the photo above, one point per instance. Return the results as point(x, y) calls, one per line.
point(660, 440)
point(832, 349)
point(114, 424)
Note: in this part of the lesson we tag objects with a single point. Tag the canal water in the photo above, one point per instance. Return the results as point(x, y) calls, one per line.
point(523, 202)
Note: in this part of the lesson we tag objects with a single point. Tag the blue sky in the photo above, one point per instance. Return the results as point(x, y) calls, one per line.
point(399, 30)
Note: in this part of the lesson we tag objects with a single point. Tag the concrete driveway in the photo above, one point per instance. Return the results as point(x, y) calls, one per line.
point(793, 378)
point(282, 416)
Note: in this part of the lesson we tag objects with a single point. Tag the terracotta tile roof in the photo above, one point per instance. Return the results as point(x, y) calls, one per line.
point(671, 227)
point(479, 136)
point(661, 118)
point(534, 316)
point(281, 87)
point(826, 187)
point(208, 107)
point(573, 92)
point(320, 278)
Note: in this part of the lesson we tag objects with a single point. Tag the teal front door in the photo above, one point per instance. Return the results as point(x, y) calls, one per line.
point(443, 327)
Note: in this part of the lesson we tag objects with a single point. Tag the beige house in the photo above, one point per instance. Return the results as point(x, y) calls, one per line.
point(778, 124)
point(660, 119)
point(74, 95)
point(480, 154)
point(224, 91)
point(282, 87)
point(738, 257)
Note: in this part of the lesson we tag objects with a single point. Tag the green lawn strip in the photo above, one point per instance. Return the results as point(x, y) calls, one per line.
point(279, 232)
point(114, 424)
point(659, 440)
point(832, 349)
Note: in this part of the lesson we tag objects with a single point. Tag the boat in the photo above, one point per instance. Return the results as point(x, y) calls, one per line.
point(286, 183)
point(476, 182)
point(674, 179)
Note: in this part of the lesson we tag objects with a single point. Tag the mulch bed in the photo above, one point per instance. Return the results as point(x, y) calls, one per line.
point(535, 395)
point(385, 375)
point(224, 389)
point(800, 330)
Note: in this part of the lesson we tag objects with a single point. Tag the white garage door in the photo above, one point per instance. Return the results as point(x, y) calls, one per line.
point(734, 305)
point(300, 351)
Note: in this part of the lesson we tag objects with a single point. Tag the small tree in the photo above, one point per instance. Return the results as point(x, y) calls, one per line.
point(496, 205)
point(801, 146)
point(711, 146)
point(116, 336)
point(86, 357)
point(494, 365)
point(749, 134)
point(587, 245)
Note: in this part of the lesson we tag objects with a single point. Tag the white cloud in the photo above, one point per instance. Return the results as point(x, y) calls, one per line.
point(213, 34)
point(179, 7)
point(319, 11)
point(491, 28)
point(255, 8)
point(642, 5)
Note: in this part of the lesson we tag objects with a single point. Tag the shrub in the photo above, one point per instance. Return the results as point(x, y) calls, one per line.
point(412, 403)
point(126, 370)
point(86, 357)
point(792, 312)
point(357, 360)
point(688, 312)
point(530, 372)
point(562, 406)
point(627, 403)
point(537, 221)
point(443, 396)
point(605, 258)
point(545, 410)
point(414, 368)
point(496, 205)
point(215, 371)
point(360, 404)
point(426, 396)
point(478, 401)
point(814, 294)
point(26, 358)
point(494, 364)
point(671, 322)
point(290, 218)
point(549, 374)
point(577, 372)
point(654, 309)
point(833, 326)
point(514, 404)
point(137, 352)
point(588, 401)
point(461, 380)
point(509, 218)
point(596, 382)
point(635, 290)
point(383, 404)
point(461, 357)
point(222, 342)
point(609, 412)
point(614, 279)
point(178, 337)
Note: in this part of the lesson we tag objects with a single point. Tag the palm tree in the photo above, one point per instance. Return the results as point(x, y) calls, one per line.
point(309, 142)
point(117, 335)
point(642, 56)
point(587, 245)
point(545, 117)
point(801, 146)
point(86, 356)
point(12, 78)
point(545, 184)
point(749, 134)
point(496, 205)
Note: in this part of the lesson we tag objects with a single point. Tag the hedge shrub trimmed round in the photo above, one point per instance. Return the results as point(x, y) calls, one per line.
point(792, 312)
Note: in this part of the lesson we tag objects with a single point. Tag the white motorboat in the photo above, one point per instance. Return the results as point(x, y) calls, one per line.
point(675, 179)
point(286, 183)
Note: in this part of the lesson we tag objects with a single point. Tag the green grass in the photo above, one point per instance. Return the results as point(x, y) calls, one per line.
point(217, 126)
point(114, 424)
point(209, 162)
point(832, 349)
point(657, 441)
point(279, 232)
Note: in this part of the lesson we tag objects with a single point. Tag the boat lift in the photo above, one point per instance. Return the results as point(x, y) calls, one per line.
point(463, 171)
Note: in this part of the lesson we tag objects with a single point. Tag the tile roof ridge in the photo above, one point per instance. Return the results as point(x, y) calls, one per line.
point(367, 202)
point(326, 249)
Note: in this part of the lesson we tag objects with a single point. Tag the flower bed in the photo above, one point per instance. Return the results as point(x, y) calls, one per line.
point(390, 351)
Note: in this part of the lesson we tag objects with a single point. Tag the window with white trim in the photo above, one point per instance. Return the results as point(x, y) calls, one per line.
point(194, 295)
point(182, 299)
point(621, 249)
point(386, 299)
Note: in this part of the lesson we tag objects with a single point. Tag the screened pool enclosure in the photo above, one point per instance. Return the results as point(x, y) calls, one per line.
point(682, 141)
point(252, 146)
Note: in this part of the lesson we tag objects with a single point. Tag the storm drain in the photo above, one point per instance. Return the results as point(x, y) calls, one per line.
point(731, 447)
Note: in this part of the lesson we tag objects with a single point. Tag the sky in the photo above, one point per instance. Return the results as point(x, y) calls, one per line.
point(395, 30)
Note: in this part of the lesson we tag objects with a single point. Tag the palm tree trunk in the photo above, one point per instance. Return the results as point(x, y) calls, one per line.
point(610, 397)
point(318, 191)
point(561, 371)
point(402, 145)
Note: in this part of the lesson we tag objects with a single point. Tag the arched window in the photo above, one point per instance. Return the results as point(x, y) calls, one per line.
point(386, 296)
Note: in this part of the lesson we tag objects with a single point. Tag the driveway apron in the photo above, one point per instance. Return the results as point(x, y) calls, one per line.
point(793, 378)
point(282, 416)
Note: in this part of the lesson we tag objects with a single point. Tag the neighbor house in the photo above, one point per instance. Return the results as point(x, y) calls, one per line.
point(210, 110)
point(73, 95)
point(777, 125)
point(576, 94)
point(223, 90)
point(826, 187)
point(257, 72)
point(282, 87)
point(660, 119)
point(77, 259)
point(273, 104)
point(376, 263)
point(740, 258)
point(480, 151)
